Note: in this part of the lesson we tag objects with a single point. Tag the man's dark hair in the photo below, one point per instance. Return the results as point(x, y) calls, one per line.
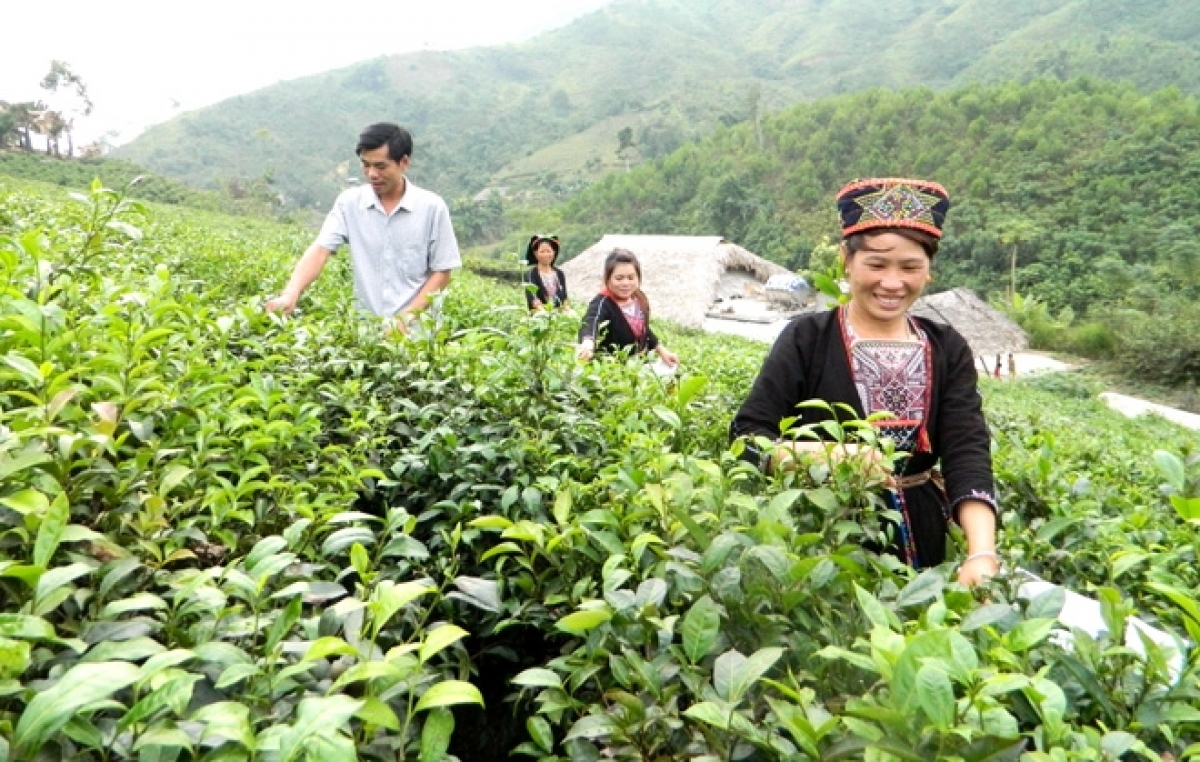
point(396, 138)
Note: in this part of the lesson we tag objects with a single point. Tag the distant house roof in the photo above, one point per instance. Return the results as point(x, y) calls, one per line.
point(986, 329)
point(679, 273)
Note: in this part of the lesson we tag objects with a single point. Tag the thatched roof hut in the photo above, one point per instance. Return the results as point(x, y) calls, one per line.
point(988, 331)
point(680, 274)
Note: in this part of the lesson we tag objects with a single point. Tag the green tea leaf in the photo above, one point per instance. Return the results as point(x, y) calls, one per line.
point(541, 733)
point(935, 695)
point(225, 721)
point(25, 627)
point(725, 671)
point(591, 727)
point(988, 614)
point(876, 612)
point(481, 593)
point(440, 638)
point(710, 714)
point(1028, 634)
point(52, 708)
point(701, 626)
point(538, 677)
point(51, 529)
point(435, 735)
point(749, 671)
point(581, 622)
point(389, 598)
point(376, 712)
point(449, 693)
point(14, 658)
point(1171, 467)
point(325, 647)
point(316, 718)
point(27, 502)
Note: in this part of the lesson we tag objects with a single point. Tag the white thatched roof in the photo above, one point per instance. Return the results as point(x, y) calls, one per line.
point(679, 273)
point(987, 330)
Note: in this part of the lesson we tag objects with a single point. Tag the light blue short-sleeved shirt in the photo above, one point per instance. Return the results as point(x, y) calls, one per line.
point(392, 255)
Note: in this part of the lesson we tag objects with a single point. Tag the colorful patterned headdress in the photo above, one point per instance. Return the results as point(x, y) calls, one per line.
point(892, 202)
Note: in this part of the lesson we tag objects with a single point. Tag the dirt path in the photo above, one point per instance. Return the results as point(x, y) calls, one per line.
point(1133, 407)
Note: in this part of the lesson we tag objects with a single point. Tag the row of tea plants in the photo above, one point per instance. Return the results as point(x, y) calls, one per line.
point(227, 535)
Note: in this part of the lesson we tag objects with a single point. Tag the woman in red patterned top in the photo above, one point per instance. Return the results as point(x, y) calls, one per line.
point(871, 355)
point(618, 318)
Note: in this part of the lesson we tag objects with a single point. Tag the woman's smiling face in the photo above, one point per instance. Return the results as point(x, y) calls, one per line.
point(886, 276)
point(623, 281)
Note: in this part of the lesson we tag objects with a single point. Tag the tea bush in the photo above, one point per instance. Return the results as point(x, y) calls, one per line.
point(227, 535)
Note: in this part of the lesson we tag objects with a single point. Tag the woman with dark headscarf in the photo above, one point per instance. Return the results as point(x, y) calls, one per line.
point(871, 355)
point(619, 316)
point(545, 284)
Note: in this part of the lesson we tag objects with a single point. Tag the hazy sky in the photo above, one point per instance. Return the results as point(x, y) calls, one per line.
point(146, 60)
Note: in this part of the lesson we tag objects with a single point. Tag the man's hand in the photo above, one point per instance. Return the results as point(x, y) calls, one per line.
point(398, 325)
point(285, 303)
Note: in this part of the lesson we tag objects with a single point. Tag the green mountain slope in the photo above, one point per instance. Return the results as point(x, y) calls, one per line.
point(1093, 186)
point(669, 71)
point(120, 174)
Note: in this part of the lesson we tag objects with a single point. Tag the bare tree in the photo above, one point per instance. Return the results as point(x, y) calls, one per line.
point(52, 124)
point(59, 79)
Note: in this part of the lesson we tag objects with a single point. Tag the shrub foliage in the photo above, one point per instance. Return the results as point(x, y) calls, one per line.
point(226, 535)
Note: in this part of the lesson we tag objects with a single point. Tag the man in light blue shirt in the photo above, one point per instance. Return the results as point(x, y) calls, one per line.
point(402, 246)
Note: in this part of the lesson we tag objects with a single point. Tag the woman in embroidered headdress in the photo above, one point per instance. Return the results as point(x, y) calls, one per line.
point(871, 355)
point(544, 283)
point(619, 316)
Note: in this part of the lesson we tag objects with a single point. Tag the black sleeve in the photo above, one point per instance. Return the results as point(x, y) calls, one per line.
point(965, 441)
point(562, 287)
point(651, 338)
point(530, 293)
point(590, 326)
point(780, 385)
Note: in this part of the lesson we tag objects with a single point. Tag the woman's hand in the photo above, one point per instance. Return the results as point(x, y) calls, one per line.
point(978, 522)
point(788, 455)
point(586, 350)
point(667, 356)
point(978, 568)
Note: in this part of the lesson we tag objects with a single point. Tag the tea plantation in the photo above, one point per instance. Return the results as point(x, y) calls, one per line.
point(226, 535)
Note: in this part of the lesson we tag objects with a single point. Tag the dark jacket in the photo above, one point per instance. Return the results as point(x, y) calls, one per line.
point(808, 361)
point(606, 324)
point(531, 276)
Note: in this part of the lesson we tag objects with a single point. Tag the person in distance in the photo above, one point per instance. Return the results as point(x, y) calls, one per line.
point(545, 284)
point(618, 318)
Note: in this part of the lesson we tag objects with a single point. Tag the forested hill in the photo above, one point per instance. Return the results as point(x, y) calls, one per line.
point(663, 72)
point(1095, 185)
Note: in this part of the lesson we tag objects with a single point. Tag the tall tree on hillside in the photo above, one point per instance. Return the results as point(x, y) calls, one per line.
point(1178, 255)
point(61, 79)
point(1014, 233)
point(53, 124)
point(25, 117)
point(625, 144)
point(754, 100)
